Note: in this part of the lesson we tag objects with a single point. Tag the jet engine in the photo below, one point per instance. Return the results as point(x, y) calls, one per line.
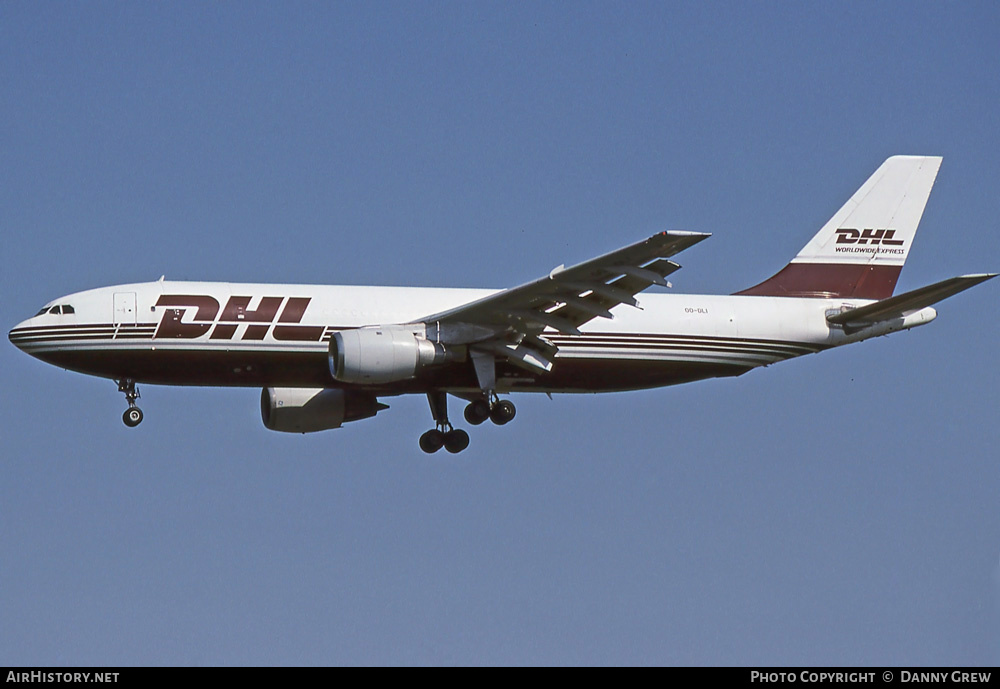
point(306, 410)
point(382, 354)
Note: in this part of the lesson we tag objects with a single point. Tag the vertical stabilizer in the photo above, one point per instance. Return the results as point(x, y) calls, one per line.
point(861, 250)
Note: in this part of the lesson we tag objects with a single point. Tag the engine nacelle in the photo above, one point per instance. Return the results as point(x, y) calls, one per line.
point(382, 354)
point(305, 410)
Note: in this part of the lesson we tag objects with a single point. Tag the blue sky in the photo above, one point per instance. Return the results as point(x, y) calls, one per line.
point(836, 509)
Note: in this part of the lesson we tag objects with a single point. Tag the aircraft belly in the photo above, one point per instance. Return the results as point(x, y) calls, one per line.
point(193, 366)
point(582, 372)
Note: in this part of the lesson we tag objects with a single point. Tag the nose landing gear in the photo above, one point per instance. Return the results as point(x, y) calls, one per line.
point(133, 415)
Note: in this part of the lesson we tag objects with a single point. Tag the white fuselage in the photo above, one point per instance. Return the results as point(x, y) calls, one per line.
point(211, 333)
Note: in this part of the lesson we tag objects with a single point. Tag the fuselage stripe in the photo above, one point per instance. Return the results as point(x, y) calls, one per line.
point(604, 344)
point(633, 346)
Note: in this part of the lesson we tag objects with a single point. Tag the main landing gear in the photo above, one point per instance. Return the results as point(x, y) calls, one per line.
point(133, 415)
point(498, 411)
point(455, 440)
point(443, 435)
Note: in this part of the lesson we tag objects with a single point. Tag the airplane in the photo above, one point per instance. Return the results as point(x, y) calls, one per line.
point(325, 356)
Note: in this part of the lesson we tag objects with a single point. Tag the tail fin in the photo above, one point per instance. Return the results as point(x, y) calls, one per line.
point(861, 250)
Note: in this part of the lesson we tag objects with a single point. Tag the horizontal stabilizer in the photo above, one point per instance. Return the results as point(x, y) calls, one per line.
point(905, 304)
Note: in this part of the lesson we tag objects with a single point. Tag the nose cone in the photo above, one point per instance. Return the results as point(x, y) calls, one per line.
point(18, 335)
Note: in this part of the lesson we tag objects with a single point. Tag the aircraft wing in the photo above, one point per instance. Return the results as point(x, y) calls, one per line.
point(909, 302)
point(510, 323)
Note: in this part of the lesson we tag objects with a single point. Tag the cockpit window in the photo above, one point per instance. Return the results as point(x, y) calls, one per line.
point(57, 310)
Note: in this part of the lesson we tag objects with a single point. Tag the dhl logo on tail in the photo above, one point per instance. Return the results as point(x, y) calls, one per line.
point(883, 236)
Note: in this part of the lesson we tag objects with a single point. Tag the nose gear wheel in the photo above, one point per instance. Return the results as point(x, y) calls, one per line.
point(133, 415)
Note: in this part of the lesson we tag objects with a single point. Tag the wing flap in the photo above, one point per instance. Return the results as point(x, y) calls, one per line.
point(522, 355)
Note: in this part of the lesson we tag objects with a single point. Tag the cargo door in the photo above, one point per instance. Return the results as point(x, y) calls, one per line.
point(124, 308)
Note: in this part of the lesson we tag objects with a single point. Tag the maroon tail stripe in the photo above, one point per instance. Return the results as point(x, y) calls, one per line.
point(829, 280)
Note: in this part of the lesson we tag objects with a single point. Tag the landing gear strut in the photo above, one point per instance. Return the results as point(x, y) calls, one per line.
point(133, 415)
point(454, 440)
point(489, 406)
point(481, 407)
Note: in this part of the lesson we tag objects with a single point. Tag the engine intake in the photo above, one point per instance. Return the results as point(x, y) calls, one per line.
point(382, 354)
point(306, 410)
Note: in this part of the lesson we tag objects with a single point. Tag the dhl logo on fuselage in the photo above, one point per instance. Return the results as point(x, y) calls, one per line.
point(269, 315)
